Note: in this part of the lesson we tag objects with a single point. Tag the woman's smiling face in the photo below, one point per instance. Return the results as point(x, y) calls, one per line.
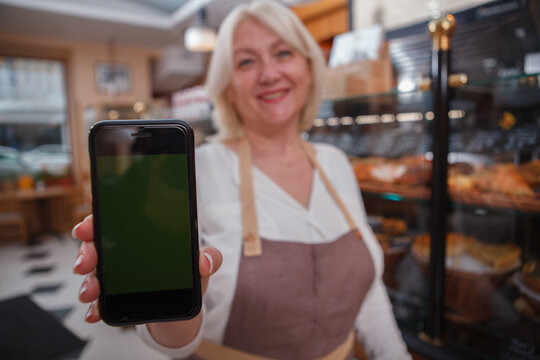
point(271, 80)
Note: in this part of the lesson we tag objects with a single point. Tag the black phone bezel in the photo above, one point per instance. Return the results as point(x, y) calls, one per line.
point(158, 306)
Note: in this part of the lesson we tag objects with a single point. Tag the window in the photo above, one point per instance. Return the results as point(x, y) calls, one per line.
point(33, 110)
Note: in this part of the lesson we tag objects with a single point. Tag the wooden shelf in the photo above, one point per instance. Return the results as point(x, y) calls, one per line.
point(406, 191)
point(519, 203)
point(509, 202)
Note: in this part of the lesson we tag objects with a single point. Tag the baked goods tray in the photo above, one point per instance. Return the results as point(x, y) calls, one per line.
point(521, 203)
point(408, 191)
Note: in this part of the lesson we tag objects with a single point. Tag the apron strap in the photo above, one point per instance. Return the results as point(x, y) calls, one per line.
point(210, 351)
point(311, 156)
point(250, 232)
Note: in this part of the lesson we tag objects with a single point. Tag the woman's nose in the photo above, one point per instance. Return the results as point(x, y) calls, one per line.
point(269, 72)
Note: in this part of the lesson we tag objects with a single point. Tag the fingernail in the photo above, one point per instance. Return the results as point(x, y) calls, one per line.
point(75, 229)
point(83, 290)
point(211, 261)
point(89, 312)
point(78, 262)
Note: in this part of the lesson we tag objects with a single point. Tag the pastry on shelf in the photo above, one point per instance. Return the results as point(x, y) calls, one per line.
point(391, 232)
point(461, 177)
point(460, 168)
point(496, 256)
point(387, 172)
point(478, 256)
point(456, 244)
point(506, 179)
point(462, 184)
point(503, 179)
point(387, 225)
point(362, 167)
point(530, 172)
point(408, 170)
point(394, 226)
point(417, 171)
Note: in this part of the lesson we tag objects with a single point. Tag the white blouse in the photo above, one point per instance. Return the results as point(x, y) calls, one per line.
point(281, 218)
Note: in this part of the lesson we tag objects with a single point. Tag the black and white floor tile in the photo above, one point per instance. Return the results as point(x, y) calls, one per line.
point(44, 272)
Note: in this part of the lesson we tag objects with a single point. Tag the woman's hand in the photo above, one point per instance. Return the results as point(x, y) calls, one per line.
point(210, 260)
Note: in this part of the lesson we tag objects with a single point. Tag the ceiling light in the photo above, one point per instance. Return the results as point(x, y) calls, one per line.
point(296, 2)
point(200, 37)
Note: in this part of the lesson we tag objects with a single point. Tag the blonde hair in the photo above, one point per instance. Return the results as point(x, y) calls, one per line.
point(286, 25)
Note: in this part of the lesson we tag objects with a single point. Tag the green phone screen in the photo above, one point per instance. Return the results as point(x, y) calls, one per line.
point(144, 212)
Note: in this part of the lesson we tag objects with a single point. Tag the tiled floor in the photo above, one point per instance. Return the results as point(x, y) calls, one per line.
point(43, 272)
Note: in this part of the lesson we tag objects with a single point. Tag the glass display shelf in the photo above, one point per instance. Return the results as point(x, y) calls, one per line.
point(371, 96)
point(522, 78)
point(516, 205)
point(523, 82)
point(492, 120)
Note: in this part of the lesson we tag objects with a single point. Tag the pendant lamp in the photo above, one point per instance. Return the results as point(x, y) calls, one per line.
point(200, 37)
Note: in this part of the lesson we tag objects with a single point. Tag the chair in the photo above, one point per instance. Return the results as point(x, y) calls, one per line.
point(13, 226)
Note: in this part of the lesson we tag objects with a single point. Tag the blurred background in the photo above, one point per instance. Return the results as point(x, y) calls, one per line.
point(66, 64)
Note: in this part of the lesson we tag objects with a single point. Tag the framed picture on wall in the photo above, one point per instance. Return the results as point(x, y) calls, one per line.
point(113, 78)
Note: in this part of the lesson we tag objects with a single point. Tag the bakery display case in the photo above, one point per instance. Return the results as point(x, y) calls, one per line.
point(472, 184)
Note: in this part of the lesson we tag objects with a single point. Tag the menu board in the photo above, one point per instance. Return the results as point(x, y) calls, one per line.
point(522, 140)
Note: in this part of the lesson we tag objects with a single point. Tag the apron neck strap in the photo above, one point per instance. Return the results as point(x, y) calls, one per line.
point(250, 231)
point(311, 156)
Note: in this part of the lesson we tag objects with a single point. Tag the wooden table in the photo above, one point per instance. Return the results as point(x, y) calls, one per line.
point(49, 210)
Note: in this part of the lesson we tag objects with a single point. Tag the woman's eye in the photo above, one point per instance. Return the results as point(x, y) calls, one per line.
point(245, 62)
point(284, 53)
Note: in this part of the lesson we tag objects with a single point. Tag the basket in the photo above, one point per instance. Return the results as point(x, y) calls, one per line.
point(531, 297)
point(467, 294)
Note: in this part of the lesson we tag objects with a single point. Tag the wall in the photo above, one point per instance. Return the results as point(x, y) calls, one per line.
point(325, 18)
point(80, 59)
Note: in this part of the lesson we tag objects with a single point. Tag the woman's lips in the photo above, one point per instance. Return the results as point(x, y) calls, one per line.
point(269, 96)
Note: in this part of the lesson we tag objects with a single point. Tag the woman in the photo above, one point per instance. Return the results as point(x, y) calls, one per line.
point(299, 268)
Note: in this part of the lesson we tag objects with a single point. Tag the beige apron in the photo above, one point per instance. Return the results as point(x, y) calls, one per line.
point(293, 300)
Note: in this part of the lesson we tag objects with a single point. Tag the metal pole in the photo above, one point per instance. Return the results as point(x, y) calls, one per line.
point(441, 31)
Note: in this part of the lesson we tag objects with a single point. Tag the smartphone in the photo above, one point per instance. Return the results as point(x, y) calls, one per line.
point(145, 220)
